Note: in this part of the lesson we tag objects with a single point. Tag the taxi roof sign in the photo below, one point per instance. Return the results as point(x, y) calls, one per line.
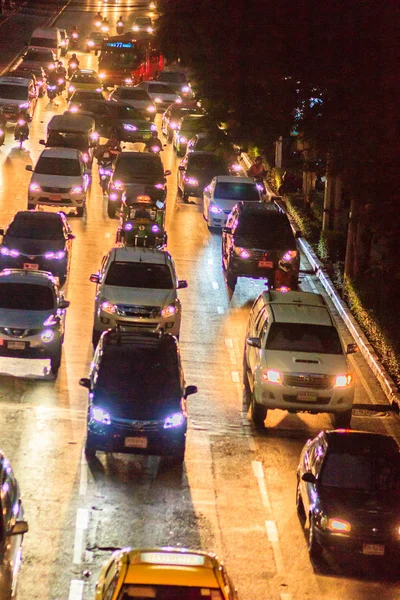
point(172, 558)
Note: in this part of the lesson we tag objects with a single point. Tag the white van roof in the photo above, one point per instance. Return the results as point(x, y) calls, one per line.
point(298, 307)
point(15, 81)
point(51, 32)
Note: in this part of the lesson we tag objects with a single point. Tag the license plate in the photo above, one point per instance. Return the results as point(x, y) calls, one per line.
point(267, 264)
point(16, 345)
point(146, 136)
point(374, 549)
point(55, 197)
point(307, 396)
point(136, 442)
point(31, 267)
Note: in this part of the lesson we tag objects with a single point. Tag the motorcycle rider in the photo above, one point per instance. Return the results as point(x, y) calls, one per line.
point(98, 19)
point(120, 25)
point(21, 127)
point(153, 141)
point(112, 147)
point(257, 170)
point(61, 72)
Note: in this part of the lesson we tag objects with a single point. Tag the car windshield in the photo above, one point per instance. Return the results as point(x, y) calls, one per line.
point(138, 382)
point(192, 124)
point(364, 471)
point(68, 140)
point(301, 337)
point(129, 170)
point(225, 190)
point(36, 229)
point(86, 78)
point(58, 166)
point(81, 95)
point(169, 592)
point(139, 275)
point(26, 296)
point(172, 77)
point(265, 231)
point(39, 56)
point(160, 88)
point(205, 162)
point(125, 113)
point(14, 92)
point(133, 94)
point(44, 42)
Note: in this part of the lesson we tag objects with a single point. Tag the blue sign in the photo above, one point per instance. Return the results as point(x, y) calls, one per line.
point(119, 45)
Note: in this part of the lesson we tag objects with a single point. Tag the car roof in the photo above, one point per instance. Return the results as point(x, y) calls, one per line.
point(60, 153)
point(140, 339)
point(233, 179)
point(261, 208)
point(29, 277)
point(359, 441)
point(304, 308)
point(142, 255)
point(142, 156)
point(38, 215)
point(23, 81)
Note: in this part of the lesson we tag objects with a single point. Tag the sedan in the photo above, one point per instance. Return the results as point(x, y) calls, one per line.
point(348, 493)
point(170, 118)
point(85, 80)
point(136, 98)
point(12, 530)
point(161, 94)
point(36, 240)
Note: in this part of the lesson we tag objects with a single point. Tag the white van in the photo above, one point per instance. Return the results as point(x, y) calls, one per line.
point(47, 37)
point(17, 96)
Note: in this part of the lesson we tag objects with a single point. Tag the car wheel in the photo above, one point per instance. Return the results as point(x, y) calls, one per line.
point(90, 450)
point(179, 456)
point(314, 548)
point(342, 420)
point(111, 210)
point(247, 393)
point(231, 280)
point(31, 206)
point(299, 504)
point(258, 413)
point(80, 211)
point(55, 361)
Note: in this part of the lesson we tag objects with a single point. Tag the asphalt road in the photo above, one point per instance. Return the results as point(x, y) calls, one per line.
point(235, 494)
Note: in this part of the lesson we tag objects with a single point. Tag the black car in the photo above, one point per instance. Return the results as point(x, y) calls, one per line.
point(37, 241)
point(196, 171)
point(12, 529)
point(258, 242)
point(137, 396)
point(139, 172)
point(348, 492)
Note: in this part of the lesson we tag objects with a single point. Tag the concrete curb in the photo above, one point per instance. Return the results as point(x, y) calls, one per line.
point(385, 381)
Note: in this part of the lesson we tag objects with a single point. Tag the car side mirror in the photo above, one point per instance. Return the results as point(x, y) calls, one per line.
point(182, 283)
point(189, 390)
point(42, 142)
point(94, 278)
point(309, 478)
point(28, 168)
point(63, 303)
point(298, 234)
point(351, 348)
point(19, 528)
point(167, 172)
point(71, 236)
point(85, 382)
point(254, 342)
point(181, 168)
point(227, 230)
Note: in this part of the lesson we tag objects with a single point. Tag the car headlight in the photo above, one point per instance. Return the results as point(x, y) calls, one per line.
point(94, 136)
point(335, 525)
point(272, 376)
point(128, 226)
point(178, 100)
point(215, 210)
point(155, 228)
point(241, 252)
point(47, 336)
point(174, 420)
point(191, 181)
point(98, 89)
point(149, 30)
point(100, 415)
point(24, 105)
point(289, 255)
point(173, 125)
point(35, 187)
point(108, 307)
point(90, 43)
point(129, 127)
point(158, 100)
point(118, 185)
point(71, 88)
point(151, 109)
point(168, 311)
point(153, 127)
point(342, 380)
point(135, 28)
point(102, 75)
point(77, 189)
point(57, 255)
point(236, 167)
point(63, 43)
point(185, 89)
point(128, 80)
point(9, 252)
point(182, 139)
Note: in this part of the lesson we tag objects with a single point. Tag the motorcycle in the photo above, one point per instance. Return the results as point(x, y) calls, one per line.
point(105, 171)
point(60, 85)
point(74, 39)
point(72, 67)
point(51, 92)
point(98, 22)
point(21, 131)
point(120, 28)
point(105, 28)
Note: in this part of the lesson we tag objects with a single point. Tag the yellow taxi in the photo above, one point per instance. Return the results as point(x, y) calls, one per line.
point(85, 80)
point(162, 574)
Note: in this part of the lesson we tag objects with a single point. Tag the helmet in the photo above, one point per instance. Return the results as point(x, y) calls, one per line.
point(120, 18)
point(258, 159)
point(73, 56)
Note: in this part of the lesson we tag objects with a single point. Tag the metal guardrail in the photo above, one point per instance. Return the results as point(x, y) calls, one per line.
point(385, 381)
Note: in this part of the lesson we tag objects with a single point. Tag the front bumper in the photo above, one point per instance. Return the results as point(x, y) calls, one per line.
point(333, 400)
point(249, 267)
point(33, 346)
point(217, 219)
point(59, 268)
point(367, 545)
point(132, 136)
point(136, 437)
point(104, 321)
point(61, 200)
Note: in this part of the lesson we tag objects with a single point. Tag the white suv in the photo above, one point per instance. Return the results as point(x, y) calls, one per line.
point(223, 193)
point(294, 358)
point(137, 290)
point(59, 179)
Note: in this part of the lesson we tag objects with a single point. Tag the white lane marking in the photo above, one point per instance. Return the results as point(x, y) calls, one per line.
point(273, 537)
point(259, 474)
point(82, 521)
point(210, 261)
point(76, 589)
point(228, 343)
point(285, 596)
point(215, 285)
point(220, 310)
point(107, 235)
point(235, 377)
point(252, 444)
point(232, 356)
point(83, 481)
